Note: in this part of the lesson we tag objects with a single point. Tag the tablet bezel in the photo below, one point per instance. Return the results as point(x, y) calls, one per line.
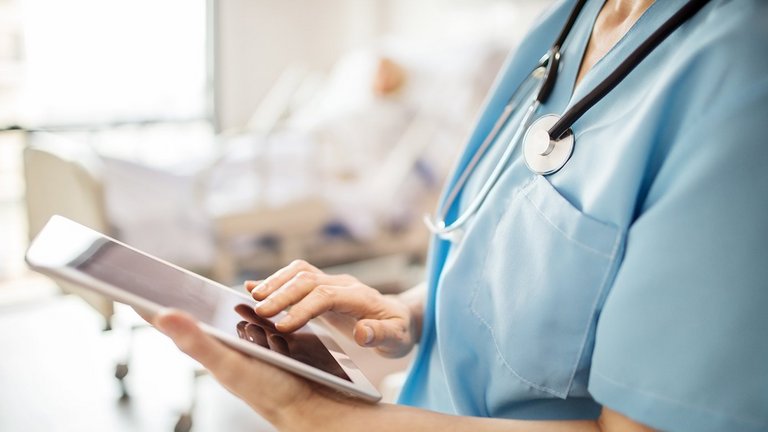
point(47, 244)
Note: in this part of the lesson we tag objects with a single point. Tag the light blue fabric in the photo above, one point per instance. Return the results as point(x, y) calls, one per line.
point(637, 274)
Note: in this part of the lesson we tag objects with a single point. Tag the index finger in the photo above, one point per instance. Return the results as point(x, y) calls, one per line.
point(249, 285)
point(280, 277)
point(356, 303)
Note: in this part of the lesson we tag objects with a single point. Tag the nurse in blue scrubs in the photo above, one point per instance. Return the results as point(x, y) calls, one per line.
point(625, 291)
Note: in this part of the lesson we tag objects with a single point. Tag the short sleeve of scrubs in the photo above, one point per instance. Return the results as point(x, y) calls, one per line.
point(682, 340)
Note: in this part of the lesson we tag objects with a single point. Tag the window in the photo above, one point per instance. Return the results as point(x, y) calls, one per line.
point(90, 62)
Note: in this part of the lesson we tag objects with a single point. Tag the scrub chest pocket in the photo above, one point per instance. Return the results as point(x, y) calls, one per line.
point(543, 279)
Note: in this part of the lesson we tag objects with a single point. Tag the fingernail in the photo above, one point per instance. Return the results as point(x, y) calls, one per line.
point(368, 334)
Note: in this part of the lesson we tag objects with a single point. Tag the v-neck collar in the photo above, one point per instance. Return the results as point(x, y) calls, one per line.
point(576, 43)
point(576, 48)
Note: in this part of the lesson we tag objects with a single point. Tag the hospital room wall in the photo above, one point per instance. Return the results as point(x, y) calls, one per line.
point(256, 40)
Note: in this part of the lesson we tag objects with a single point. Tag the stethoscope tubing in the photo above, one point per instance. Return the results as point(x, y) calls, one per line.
point(493, 178)
point(551, 62)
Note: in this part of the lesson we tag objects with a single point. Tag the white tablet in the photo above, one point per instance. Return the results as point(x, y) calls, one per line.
point(70, 251)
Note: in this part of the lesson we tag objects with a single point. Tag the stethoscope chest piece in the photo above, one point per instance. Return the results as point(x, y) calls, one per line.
point(542, 154)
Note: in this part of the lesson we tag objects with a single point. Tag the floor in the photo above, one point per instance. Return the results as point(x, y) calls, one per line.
point(57, 374)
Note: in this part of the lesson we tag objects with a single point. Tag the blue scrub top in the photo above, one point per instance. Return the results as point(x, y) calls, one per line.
point(635, 277)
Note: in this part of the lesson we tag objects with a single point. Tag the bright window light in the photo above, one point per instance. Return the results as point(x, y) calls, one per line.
point(92, 62)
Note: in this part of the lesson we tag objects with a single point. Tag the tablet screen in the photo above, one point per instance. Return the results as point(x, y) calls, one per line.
point(223, 309)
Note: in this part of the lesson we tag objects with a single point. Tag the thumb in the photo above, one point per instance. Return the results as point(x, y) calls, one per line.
point(223, 362)
point(363, 333)
point(389, 336)
point(237, 372)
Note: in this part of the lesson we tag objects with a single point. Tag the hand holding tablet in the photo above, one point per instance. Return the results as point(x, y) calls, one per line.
point(70, 251)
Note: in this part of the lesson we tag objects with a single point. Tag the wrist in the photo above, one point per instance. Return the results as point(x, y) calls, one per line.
point(325, 410)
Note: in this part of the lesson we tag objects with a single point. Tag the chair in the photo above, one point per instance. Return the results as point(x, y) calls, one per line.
point(63, 177)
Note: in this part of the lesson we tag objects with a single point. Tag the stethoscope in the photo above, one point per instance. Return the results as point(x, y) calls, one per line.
point(548, 142)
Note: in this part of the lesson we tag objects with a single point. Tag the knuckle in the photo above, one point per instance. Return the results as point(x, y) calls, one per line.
point(324, 291)
point(350, 280)
point(298, 263)
point(274, 299)
point(300, 311)
point(305, 276)
point(371, 294)
point(275, 302)
point(323, 297)
point(269, 285)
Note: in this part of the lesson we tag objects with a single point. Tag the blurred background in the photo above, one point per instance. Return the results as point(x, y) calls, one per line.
point(228, 137)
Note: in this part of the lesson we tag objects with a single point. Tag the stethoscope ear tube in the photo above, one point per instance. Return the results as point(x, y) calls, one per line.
point(633, 59)
point(552, 61)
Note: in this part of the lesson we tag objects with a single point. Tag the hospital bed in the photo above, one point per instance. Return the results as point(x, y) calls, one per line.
point(326, 172)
